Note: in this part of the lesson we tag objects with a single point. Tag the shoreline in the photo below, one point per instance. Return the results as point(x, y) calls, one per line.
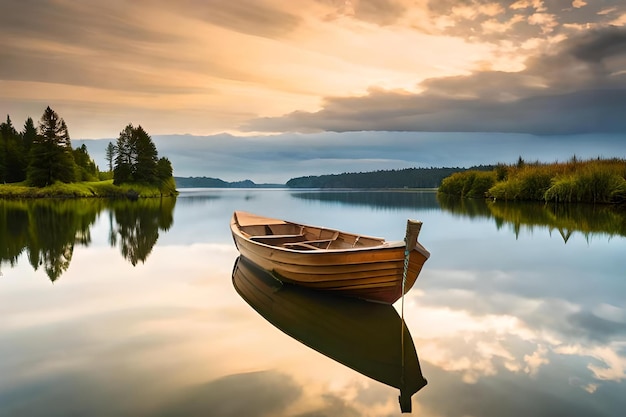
point(93, 189)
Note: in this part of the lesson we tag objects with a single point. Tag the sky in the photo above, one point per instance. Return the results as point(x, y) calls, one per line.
point(291, 72)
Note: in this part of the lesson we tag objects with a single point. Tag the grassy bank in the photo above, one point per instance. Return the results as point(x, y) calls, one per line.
point(101, 189)
point(575, 181)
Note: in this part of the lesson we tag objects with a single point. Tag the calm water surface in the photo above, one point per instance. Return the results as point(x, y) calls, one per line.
point(122, 309)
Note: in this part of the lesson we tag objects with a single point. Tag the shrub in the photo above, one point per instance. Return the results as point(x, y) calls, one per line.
point(506, 190)
point(470, 184)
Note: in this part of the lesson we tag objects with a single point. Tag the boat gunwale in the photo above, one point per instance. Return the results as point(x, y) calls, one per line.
point(236, 228)
point(385, 245)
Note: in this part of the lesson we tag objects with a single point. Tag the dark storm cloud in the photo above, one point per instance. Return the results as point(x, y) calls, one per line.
point(580, 87)
point(595, 47)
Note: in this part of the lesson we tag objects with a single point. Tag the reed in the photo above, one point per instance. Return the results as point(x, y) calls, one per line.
point(471, 184)
point(528, 182)
point(574, 181)
point(594, 182)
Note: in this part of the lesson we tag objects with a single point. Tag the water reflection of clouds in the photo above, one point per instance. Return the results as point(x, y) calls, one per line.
point(172, 332)
point(481, 334)
point(503, 325)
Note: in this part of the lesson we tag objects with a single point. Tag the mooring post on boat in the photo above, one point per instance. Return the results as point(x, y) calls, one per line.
point(413, 228)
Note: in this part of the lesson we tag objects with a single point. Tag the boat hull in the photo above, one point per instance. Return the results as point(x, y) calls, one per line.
point(373, 273)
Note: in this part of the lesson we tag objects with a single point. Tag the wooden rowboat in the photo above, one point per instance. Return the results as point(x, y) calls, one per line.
point(327, 259)
point(369, 338)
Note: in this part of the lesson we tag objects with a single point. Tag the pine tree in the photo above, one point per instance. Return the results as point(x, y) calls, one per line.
point(110, 155)
point(87, 169)
point(29, 134)
point(164, 170)
point(136, 157)
point(14, 159)
point(123, 170)
point(146, 157)
point(2, 158)
point(51, 156)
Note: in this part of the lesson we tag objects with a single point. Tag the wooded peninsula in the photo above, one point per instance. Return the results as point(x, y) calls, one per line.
point(40, 162)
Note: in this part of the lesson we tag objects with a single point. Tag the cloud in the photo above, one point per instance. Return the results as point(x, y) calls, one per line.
point(248, 394)
point(270, 65)
point(592, 327)
point(577, 88)
point(91, 44)
point(253, 17)
point(281, 157)
point(381, 12)
point(532, 18)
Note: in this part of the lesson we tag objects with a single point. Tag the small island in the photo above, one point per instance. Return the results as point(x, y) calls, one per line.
point(40, 162)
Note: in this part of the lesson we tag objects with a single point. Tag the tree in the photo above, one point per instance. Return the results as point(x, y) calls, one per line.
point(13, 157)
point(2, 158)
point(51, 156)
point(136, 157)
point(110, 155)
point(29, 134)
point(164, 170)
point(145, 169)
point(123, 170)
point(86, 167)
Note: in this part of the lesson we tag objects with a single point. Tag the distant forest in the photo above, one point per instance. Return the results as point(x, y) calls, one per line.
point(404, 178)
point(208, 182)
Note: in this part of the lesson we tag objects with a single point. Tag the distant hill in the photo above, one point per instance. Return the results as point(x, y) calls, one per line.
point(208, 182)
point(404, 178)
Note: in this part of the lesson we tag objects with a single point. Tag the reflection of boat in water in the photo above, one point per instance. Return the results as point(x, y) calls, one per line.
point(370, 338)
point(331, 260)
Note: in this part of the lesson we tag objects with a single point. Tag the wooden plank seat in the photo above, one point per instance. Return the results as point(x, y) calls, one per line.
point(276, 236)
point(309, 244)
point(278, 240)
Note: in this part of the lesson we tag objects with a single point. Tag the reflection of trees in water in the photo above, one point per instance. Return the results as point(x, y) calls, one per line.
point(381, 199)
point(48, 229)
point(138, 225)
point(467, 207)
point(588, 219)
point(566, 219)
point(13, 230)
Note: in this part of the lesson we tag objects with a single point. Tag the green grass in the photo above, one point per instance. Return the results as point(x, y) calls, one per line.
point(575, 181)
point(102, 189)
point(471, 184)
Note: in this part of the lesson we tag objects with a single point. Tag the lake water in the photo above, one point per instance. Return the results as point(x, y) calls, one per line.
point(111, 309)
